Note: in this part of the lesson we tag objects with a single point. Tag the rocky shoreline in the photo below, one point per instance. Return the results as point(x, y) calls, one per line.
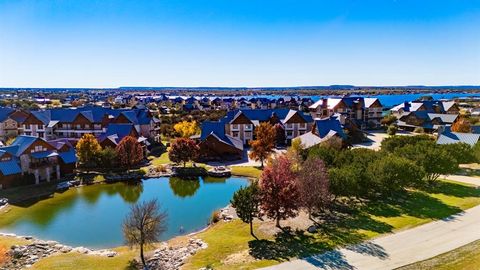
point(24, 256)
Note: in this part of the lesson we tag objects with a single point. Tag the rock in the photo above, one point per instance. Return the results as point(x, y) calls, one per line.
point(65, 249)
point(312, 229)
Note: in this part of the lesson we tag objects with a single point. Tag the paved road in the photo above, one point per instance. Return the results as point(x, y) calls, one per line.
point(402, 248)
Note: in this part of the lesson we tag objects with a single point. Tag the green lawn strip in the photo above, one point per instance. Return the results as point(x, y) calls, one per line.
point(371, 220)
point(246, 171)
point(73, 261)
point(8, 241)
point(466, 257)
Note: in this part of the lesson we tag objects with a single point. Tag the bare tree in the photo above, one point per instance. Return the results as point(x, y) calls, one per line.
point(144, 225)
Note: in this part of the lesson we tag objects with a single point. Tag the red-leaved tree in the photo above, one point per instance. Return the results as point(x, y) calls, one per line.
point(183, 150)
point(313, 185)
point(279, 194)
point(129, 152)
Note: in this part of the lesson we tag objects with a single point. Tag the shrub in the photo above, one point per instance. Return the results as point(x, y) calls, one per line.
point(215, 217)
point(4, 257)
point(388, 120)
point(392, 130)
point(419, 130)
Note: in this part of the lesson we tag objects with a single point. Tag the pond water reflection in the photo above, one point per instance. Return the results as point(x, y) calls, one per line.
point(92, 215)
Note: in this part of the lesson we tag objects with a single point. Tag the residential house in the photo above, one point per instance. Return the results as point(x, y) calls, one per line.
point(430, 106)
point(74, 123)
point(363, 112)
point(10, 122)
point(215, 144)
point(423, 119)
point(322, 130)
point(30, 157)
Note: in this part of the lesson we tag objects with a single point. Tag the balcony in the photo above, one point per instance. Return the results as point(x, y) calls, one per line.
point(42, 164)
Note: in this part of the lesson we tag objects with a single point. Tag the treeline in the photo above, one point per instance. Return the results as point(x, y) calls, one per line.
point(319, 178)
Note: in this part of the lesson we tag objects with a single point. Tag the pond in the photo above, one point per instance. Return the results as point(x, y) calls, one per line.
point(92, 215)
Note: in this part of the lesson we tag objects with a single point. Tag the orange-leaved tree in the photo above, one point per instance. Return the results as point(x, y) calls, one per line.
point(462, 125)
point(264, 143)
point(129, 152)
point(183, 150)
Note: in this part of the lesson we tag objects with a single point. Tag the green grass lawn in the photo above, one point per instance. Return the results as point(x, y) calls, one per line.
point(232, 247)
point(73, 261)
point(161, 160)
point(466, 257)
point(247, 171)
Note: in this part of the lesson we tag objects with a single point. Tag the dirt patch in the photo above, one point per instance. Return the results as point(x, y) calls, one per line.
point(242, 257)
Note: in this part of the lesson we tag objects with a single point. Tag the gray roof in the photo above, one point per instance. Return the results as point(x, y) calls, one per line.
point(457, 137)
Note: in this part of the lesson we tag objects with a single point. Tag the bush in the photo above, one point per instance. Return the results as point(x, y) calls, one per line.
point(4, 257)
point(419, 130)
point(160, 168)
point(392, 143)
point(392, 130)
point(388, 120)
point(215, 217)
point(392, 174)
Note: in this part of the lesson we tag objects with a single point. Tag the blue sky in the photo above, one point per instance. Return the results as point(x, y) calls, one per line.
point(103, 43)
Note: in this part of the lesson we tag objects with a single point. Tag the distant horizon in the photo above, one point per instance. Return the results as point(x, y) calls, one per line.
point(256, 87)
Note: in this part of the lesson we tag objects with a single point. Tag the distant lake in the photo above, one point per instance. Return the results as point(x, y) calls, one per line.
point(92, 216)
point(391, 100)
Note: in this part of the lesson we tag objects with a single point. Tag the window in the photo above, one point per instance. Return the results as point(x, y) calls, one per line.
point(40, 126)
point(26, 126)
point(289, 126)
point(289, 133)
point(41, 134)
point(235, 134)
point(87, 126)
point(248, 134)
point(79, 126)
point(248, 126)
point(28, 133)
point(235, 126)
point(303, 125)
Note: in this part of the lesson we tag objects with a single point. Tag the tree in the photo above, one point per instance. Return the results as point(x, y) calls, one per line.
point(392, 143)
point(144, 225)
point(462, 125)
point(186, 129)
point(388, 120)
point(263, 145)
point(183, 150)
point(108, 157)
point(246, 202)
point(393, 174)
point(88, 150)
point(279, 193)
point(313, 185)
point(129, 151)
point(434, 160)
point(280, 138)
point(344, 181)
point(392, 130)
point(462, 152)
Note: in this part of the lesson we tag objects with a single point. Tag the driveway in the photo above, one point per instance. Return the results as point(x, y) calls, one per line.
point(375, 139)
point(402, 248)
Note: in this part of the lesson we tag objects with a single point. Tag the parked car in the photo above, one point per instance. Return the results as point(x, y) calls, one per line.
point(3, 201)
point(63, 186)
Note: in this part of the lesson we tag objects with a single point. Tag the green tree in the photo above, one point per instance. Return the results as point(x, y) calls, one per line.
point(88, 150)
point(393, 174)
point(462, 152)
point(388, 120)
point(392, 143)
point(246, 202)
point(392, 130)
point(108, 157)
point(344, 182)
point(434, 160)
